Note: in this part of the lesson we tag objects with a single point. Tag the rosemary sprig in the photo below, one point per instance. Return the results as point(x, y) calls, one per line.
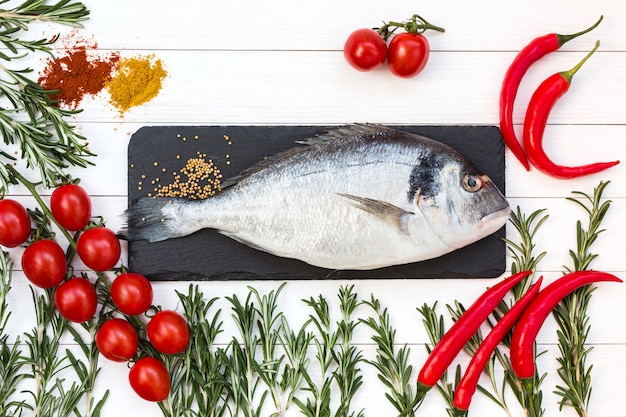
point(242, 363)
point(269, 321)
point(348, 356)
point(296, 347)
point(523, 259)
point(198, 376)
point(596, 209)
point(393, 367)
point(45, 359)
point(87, 373)
point(29, 119)
point(337, 358)
point(571, 314)
point(527, 393)
point(318, 405)
point(523, 253)
point(11, 361)
point(435, 329)
point(63, 12)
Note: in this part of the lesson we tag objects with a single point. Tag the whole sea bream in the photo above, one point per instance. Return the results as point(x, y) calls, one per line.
point(358, 197)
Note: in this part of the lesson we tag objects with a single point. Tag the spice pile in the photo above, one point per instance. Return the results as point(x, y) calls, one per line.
point(82, 71)
point(78, 73)
point(137, 81)
point(203, 180)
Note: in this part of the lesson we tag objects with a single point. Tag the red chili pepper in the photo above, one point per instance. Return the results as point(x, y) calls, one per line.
point(532, 52)
point(541, 103)
point(462, 330)
point(528, 326)
point(467, 385)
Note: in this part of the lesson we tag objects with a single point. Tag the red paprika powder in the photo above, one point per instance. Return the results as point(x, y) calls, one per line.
point(80, 72)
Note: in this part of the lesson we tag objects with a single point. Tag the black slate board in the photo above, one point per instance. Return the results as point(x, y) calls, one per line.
point(155, 152)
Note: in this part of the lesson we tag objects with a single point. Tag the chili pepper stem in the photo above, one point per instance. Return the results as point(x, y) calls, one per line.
point(566, 38)
point(568, 75)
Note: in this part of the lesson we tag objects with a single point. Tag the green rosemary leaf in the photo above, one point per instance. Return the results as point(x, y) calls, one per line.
point(243, 364)
point(571, 314)
point(32, 122)
point(63, 12)
point(199, 375)
point(434, 325)
point(348, 357)
point(318, 404)
point(11, 360)
point(523, 258)
point(393, 368)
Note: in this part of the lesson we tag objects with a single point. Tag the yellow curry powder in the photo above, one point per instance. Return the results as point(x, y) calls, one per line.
point(137, 81)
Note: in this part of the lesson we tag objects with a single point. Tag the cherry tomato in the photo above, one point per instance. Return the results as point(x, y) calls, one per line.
point(150, 379)
point(408, 54)
point(99, 248)
point(117, 340)
point(365, 49)
point(131, 293)
point(14, 223)
point(43, 263)
point(168, 332)
point(76, 299)
point(71, 206)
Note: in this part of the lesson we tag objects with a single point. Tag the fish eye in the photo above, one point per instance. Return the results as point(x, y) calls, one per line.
point(472, 183)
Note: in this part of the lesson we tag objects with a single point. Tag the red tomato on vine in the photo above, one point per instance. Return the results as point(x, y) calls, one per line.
point(168, 332)
point(14, 223)
point(99, 248)
point(150, 379)
point(408, 54)
point(131, 293)
point(71, 206)
point(117, 340)
point(365, 49)
point(76, 300)
point(43, 263)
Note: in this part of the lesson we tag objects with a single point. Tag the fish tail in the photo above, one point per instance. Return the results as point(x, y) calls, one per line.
point(147, 219)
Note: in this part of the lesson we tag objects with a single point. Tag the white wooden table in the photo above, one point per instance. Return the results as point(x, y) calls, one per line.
point(280, 62)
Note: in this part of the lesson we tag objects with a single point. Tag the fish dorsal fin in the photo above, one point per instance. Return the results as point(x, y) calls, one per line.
point(342, 132)
point(261, 165)
point(388, 212)
point(350, 131)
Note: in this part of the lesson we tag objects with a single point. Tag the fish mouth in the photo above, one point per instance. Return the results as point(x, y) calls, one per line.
point(497, 218)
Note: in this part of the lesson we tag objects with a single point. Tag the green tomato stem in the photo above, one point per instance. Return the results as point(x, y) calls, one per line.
point(32, 188)
point(416, 25)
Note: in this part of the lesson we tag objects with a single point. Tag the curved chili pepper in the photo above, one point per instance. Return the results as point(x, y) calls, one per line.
point(541, 103)
point(528, 326)
point(532, 52)
point(462, 330)
point(467, 385)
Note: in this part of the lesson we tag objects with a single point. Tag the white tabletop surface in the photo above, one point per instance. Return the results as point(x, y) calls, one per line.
point(250, 62)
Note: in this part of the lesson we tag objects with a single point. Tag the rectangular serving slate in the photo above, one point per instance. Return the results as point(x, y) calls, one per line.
point(156, 152)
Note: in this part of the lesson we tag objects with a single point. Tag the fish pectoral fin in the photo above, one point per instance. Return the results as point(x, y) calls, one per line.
point(241, 240)
point(394, 215)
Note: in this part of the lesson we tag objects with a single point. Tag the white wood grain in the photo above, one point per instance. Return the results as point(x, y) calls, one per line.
point(280, 62)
